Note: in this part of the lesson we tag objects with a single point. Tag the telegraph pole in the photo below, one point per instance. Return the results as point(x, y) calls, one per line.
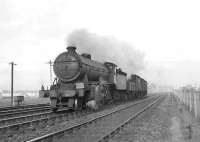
point(12, 80)
point(50, 69)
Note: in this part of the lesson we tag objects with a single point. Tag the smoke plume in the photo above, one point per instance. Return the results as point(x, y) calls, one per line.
point(107, 48)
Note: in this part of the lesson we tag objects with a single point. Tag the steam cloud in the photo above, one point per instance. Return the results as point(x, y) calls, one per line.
point(106, 48)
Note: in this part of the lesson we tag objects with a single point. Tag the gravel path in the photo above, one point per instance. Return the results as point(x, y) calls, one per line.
point(168, 122)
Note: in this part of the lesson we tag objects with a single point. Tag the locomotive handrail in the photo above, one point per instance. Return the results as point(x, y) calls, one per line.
point(98, 69)
point(63, 61)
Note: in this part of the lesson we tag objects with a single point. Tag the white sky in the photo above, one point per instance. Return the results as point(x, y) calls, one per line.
point(33, 32)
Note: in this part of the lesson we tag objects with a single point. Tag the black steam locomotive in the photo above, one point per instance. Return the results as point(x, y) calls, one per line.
point(81, 81)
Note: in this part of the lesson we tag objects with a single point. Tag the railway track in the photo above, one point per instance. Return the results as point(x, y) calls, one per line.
point(9, 125)
point(21, 107)
point(16, 123)
point(99, 126)
point(19, 119)
point(22, 112)
point(11, 118)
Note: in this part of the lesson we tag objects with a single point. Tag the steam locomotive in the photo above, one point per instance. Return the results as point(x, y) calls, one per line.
point(81, 82)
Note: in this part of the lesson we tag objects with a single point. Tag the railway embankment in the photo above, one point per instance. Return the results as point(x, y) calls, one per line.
point(168, 122)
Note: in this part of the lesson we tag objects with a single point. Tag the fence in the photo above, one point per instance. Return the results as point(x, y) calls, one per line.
point(190, 98)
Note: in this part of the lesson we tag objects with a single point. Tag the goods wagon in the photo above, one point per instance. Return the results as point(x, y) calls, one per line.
point(137, 86)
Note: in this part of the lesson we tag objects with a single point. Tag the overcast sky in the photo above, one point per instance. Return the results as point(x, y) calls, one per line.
point(34, 31)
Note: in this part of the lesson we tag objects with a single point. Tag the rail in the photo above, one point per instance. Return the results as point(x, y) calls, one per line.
point(50, 136)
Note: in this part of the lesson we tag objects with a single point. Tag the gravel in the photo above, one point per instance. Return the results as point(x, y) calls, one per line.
point(168, 122)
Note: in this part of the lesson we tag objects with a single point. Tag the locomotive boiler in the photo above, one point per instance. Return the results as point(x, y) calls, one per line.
point(69, 66)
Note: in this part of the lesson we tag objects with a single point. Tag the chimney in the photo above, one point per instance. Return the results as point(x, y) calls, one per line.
point(71, 49)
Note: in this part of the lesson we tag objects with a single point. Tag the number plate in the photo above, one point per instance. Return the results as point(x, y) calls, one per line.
point(79, 85)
